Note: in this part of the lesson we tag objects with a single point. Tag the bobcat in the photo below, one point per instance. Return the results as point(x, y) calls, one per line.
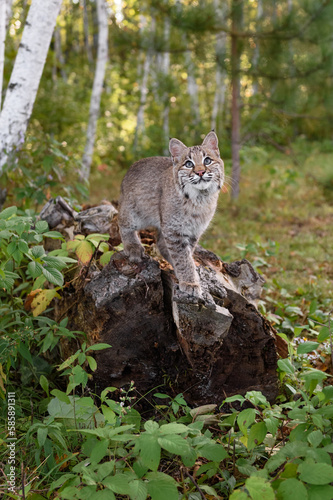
point(178, 197)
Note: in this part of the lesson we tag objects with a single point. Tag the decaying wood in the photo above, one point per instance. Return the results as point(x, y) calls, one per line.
point(206, 351)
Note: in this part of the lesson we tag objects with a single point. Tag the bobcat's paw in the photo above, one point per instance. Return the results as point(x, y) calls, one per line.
point(135, 254)
point(188, 293)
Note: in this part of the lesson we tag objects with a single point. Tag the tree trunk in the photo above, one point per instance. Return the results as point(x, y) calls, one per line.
point(206, 353)
point(86, 34)
point(220, 75)
point(59, 54)
point(235, 98)
point(165, 70)
point(26, 74)
point(256, 49)
point(140, 120)
point(192, 87)
point(102, 55)
point(3, 12)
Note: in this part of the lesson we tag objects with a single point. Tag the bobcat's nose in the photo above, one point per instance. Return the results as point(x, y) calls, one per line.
point(200, 172)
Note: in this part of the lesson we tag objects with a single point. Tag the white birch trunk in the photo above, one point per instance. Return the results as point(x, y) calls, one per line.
point(86, 33)
point(140, 122)
point(102, 55)
point(256, 54)
point(3, 16)
point(220, 76)
point(59, 54)
point(165, 70)
point(26, 75)
point(192, 86)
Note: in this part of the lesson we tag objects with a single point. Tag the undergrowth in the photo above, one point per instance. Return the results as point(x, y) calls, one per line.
point(72, 443)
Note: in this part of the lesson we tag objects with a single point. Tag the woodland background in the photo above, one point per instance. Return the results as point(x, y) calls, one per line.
point(120, 78)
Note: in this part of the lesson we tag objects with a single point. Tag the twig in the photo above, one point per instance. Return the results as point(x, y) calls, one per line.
point(194, 482)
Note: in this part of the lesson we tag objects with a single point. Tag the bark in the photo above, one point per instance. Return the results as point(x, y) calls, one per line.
point(140, 121)
point(3, 12)
point(257, 49)
point(220, 75)
point(165, 71)
point(86, 34)
point(59, 54)
point(206, 353)
point(235, 98)
point(102, 55)
point(192, 86)
point(26, 74)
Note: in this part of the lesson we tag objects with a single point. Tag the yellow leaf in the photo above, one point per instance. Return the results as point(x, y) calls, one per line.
point(85, 251)
point(2, 379)
point(42, 300)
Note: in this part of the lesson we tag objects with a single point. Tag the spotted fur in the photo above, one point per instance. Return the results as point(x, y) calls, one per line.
point(178, 197)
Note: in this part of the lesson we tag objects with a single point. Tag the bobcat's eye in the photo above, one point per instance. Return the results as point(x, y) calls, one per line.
point(207, 161)
point(189, 164)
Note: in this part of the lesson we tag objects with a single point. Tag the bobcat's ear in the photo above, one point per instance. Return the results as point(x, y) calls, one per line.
point(176, 149)
point(211, 142)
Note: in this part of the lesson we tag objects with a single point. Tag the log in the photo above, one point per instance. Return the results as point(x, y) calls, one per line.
point(206, 351)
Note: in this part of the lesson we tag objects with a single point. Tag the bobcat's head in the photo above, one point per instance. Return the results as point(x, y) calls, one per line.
point(198, 168)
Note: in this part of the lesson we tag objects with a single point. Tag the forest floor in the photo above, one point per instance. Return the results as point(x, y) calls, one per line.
point(282, 222)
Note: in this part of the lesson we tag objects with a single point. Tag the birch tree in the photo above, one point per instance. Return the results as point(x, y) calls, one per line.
point(102, 56)
point(3, 12)
point(140, 123)
point(5, 15)
point(165, 71)
point(24, 81)
point(220, 75)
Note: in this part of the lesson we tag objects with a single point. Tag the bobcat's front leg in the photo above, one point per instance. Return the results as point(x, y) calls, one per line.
point(180, 249)
point(132, 245)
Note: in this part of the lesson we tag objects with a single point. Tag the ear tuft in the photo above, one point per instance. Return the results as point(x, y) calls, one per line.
point(176, 148)
point(211, 142)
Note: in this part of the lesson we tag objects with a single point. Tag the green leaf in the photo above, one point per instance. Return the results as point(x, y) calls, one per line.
point(245, 419)
point(55, 235)
point(307, 347)
point(41, 435)
point(324, 334)
point(174, 428)
point(286, 366)
point(256, 435)
point(318, 474)
point(22, 246)
point(7, 213)
point(315, 438)
point(35, 269)
point(232, 399)
point(24, 351)
point(37, 251)
point(292, 489)
point(212, 451)
point(150, 450)
point(44, 384)
point(105, 258)
point(174, 444)
point(98, 347)
point(320, 492)
point(99, 451)
point(53, 276)
point(92, 363)
point(161, 487)
point(259, 488)
point(61, 396)
point(41, 226)
point(239, 495)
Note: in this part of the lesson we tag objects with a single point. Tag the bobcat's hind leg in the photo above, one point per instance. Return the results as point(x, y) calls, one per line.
point(132, 245)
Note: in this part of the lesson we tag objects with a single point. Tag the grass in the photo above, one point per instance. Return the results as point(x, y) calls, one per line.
point(282, 222)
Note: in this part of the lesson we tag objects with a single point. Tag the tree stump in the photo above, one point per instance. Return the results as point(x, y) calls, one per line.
point(207, 353)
